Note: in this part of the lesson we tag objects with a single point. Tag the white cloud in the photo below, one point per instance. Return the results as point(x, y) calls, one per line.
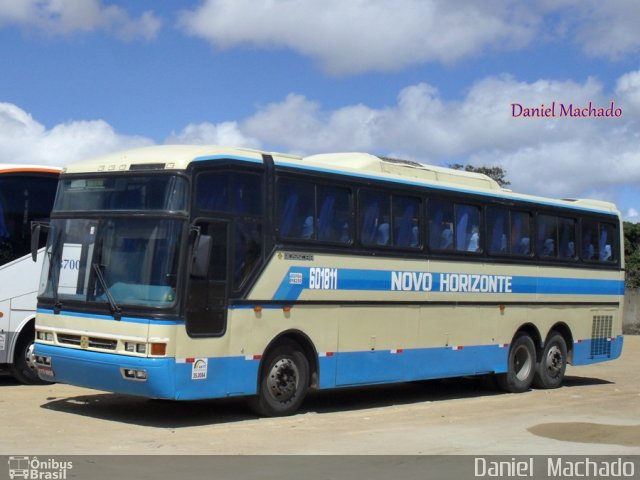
point(225, 133)
point(632, 215)
point(24, 140)
point(60, 17)
point(360, 35)
point(628, 90)
point(606, 29)
point(348, 37)
point(559, 157)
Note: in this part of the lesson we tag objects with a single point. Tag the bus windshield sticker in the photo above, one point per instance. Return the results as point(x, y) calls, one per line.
point(70, 268)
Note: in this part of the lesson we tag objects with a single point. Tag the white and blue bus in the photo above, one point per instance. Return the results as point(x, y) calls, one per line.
point(186, 272)
point(26, 194)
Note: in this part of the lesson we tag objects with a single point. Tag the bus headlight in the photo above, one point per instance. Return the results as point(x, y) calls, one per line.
point(45, 336)
point(134, 347)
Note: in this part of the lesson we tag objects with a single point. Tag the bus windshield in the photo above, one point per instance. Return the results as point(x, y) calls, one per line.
point(133, 260)
point(151, 192)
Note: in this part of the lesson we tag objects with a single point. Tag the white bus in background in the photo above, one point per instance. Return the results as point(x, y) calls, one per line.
point(26, 194)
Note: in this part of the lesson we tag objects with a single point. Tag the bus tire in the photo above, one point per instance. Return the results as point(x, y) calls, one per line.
point(552, 363)
point(521, 366)
point(23, 368)
point(284, 381)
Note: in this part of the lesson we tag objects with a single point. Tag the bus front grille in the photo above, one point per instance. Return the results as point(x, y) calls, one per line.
point(92, 342)
point(601, 330)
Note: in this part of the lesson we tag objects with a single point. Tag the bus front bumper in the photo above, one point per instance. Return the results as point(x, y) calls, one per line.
point(167, 378)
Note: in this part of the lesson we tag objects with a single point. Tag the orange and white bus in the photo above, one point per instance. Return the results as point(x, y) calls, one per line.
point(26, 195)
point(190, 272)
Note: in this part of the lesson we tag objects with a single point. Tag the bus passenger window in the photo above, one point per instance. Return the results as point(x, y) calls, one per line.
point(406, 231)
point(440, 214)
point(333, 214)
point(520, 233)
point(230, 192)
point(607, 237)
point(375, 228)
point(547, 235)
point(589, 240)
point(497, 230)
point(567, 232)
point(296, 209)
point(467, 228)
point(369, 223)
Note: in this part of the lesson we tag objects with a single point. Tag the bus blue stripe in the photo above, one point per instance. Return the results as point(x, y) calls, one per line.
point(297, 279)
point(227, 157)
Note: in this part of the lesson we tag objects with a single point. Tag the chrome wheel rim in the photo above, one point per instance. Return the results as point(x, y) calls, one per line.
point(553, 361)
point(282, 382)
point(30, 357)
point(522, 363)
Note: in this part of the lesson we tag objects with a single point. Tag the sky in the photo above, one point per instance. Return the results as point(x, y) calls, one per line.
point(435, 81)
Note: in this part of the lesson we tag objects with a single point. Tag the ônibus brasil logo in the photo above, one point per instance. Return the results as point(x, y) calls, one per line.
point(32, 468)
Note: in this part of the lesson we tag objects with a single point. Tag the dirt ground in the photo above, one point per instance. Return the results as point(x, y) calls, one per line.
point(597, 411)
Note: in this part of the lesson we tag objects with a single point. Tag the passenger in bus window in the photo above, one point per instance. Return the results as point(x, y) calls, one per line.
point(382, 237)
point(571, 250)
point(474, 240)
point(345, 236)
point(415, 234)
point(446, 236)
point(307, 228)
point(591, 252)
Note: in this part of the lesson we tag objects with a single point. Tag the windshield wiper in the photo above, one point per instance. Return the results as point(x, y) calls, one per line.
point(115, 309)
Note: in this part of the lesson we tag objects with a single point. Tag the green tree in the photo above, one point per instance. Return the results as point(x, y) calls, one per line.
point(497, 173)
point(632, 254)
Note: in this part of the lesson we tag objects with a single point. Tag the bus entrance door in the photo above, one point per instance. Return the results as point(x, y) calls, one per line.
point(207, 292)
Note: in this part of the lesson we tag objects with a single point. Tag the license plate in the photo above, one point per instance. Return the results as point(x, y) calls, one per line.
point(45, 371)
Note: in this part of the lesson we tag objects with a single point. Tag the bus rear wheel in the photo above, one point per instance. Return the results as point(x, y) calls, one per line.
point(284, 381)
point(553, 362)
point(521, 366)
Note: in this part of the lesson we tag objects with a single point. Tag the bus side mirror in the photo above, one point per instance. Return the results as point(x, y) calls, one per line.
point(201, 256)
point(36, 228)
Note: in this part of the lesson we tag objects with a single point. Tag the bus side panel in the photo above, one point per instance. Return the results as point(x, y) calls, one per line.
point(362, 368)
point(17, 300)
point(217, 377)
point(6, 336)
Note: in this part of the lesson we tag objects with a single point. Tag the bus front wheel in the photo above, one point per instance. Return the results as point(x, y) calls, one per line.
point(23, 368)
point(284, 381)
point(521, 366)
point(553, 362)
